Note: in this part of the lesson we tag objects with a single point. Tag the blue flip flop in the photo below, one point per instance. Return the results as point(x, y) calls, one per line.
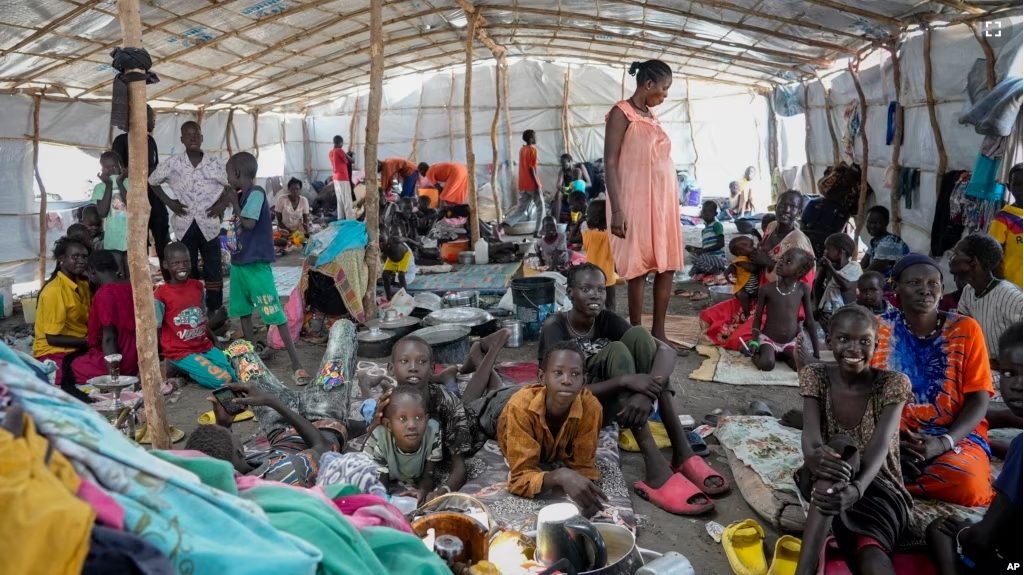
point(697, 444)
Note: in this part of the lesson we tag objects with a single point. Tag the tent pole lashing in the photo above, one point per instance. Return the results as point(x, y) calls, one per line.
point(865, 156)
point(932, 116)
point(897, 140)
point(467, 107)
point(372, 198)
point(42, 188)
point(138, 232)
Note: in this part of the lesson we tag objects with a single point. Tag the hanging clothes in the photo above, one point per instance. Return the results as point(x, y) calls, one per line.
point(983, 180)
point(946, 231)
point(909, 181)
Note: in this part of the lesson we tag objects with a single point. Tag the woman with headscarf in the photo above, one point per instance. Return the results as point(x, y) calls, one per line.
point(643, 193)
point(944, 447)
point(728, 323)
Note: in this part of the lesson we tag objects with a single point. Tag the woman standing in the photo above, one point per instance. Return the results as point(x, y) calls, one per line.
point(728, 322)
point(62, 312)
point(944, 447)
point(643, 194)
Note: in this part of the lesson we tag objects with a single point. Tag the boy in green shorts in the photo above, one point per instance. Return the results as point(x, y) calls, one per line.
point(252, 282)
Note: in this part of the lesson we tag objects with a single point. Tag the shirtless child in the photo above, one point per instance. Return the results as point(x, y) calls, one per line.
point(782, 299)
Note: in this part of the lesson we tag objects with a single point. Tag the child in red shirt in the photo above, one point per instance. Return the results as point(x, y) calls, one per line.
point(111, 321)
point(185, 340)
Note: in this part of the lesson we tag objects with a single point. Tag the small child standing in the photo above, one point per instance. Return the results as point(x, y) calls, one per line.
point(599, 250)
point(399, 263)
point(110, 198)
point(252, 281)
point(838, 275)
point(551, 247)
point(185, 338)
point(851, 474)
point(406, 445)
point(709, 258)
point(871, 292)
point(783, 300)
point(746, 272)
point(577, 215)
point(94, 223)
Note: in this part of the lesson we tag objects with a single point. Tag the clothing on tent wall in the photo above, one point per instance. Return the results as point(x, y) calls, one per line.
point(1013, 154)
point(994, 114)
point(946, 232)
point(788, 100)
point(983, 180)
point(909, 181)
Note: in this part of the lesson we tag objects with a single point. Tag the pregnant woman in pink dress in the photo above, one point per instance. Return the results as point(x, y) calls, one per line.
point(643, 196)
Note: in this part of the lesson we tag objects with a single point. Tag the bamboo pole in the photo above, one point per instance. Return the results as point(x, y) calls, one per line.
point(494, 140)
point(228, 129)
point(372, 198)
point(807, 144)
point(897, 141)
point(42, 189)
point(416, 130)
point(467, 107)
point(451, 120)
point(990, 57)
point(827, 94)
point(512, 175)
point(865, 156)
point(689, 120)
point(932, 116)
point(138, 223)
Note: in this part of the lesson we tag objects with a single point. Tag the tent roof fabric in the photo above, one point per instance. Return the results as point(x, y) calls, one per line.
point(286, 54)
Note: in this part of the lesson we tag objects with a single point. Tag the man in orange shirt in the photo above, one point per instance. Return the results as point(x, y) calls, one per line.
point(342, 181)
point(451, 180)
point(529, 179)
point(401, 169)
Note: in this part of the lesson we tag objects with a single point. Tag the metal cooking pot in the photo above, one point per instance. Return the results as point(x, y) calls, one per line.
point(623, 555)
point(467, 258)
point(450, 343)
point(461, 299)
point(480, 322)
point(375, 343)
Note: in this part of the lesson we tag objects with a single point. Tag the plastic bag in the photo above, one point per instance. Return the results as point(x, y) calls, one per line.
point(402, 302)
point(294, 311)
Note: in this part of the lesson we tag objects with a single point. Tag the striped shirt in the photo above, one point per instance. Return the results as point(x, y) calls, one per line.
point(995, 311)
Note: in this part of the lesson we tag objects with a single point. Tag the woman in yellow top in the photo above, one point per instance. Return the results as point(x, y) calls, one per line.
point(1006, 228)
point(599, 250)
point(62, 312)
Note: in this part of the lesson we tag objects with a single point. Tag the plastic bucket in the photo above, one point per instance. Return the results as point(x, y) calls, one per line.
point(28, 309)
point(534, 300)
point(6, 297)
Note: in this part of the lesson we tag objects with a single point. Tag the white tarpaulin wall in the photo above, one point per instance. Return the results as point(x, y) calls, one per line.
point(954, 52)
point(727, 134)
point(85, 128)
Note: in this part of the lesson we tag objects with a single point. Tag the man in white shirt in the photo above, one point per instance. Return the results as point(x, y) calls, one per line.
point(199, 181)
point(994, 303)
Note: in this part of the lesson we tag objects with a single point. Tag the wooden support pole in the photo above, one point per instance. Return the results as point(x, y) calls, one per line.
point(897, 139)
point(565, 114)
point(416, 130)
point(865, 161)
point(138, 232)
point(307, 149)
point(451, 120)
point(256, 134)
point(353, 127)
point(372, 200)
point(494, 140)
point(689, 120)
point(990, 57)
point(827, 95)
point(43, 248)
point(467, 107)
point(199, 116)
point(512, 173)
point(228, 129)
point(932, 116)
point(807, 143)
point(623, 85)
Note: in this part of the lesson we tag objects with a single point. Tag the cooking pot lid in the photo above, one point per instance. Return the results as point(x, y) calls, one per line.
point(468, 316)
point(427, 300)
point(390, 323)
point(442, 334)
point(460, 294)
point(373, 335)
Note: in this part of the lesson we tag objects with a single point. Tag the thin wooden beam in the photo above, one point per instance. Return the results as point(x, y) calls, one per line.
point(416, 129)
point(451, 120)
point(307, 151)
point(689, 120)
point(990, 57)
point(372, 198)
point(827, 95)
point(807, 144)
point(853, 9)
point(43, 247)
point(467, 108)
point(138, 254)
point(932, 115)
point(512, 173)
point(256, 133)
point(961, 6)
point(228, 129)
point(897, 140)
point(494, 140)
point(50, 26)
point(865, 163)
point(353, 126)
point(565, 112)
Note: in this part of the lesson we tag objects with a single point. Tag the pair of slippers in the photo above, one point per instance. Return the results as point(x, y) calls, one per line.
point(688, 482)
point(743, 542)
point(755, 408)
point(693, 295)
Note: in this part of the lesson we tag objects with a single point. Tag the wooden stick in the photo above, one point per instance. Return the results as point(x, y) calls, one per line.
point(853, 9)
point(897, 141)
point(807, 144)
point(513, 176)
point(353, 127)
point(199, 115)
point(990, 57)
point(961, 6)
point(827, 94)
point(229, 129)
point(307, 149)
point(416, 130)
point(565, 112)
point(623, 96)
point(932, 116)
point(494, 139)
point(138, 232)
point(42, 189)
point(865, 156)
point(256, 133)
point(451, 119)
point(467, 108)
point(372, 198)
point(689, 120)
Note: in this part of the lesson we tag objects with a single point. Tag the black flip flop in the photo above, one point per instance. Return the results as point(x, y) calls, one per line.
point(759, 408)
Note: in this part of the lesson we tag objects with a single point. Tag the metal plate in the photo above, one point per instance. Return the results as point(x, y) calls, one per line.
point(442, 334)
point(467, 316)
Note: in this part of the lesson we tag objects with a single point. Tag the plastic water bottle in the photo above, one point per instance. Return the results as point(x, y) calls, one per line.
point(671, 563)
point(481, 247)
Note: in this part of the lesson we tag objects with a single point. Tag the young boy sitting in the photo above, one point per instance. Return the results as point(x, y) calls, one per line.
point(426, 216)
point(991, 545)
point(837, 278)
point(399, 263)
point(110, 198)
point(252, 281)
point(94, 223)
point(551, 247)
point(783, 300)
point(548, 432)
point(746, 274)
point(185, 338)
point(599, 250)
point(407, 444)
point(871, 292)
point(577, 216)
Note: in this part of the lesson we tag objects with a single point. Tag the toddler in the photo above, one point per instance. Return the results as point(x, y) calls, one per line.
point(399, 263)
point(407, 444)
point(747, 274)
point(599, 250)
point(551, 247)
point(784, 300)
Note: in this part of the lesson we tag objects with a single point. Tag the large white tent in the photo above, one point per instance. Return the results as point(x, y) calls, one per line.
point(282, 77)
